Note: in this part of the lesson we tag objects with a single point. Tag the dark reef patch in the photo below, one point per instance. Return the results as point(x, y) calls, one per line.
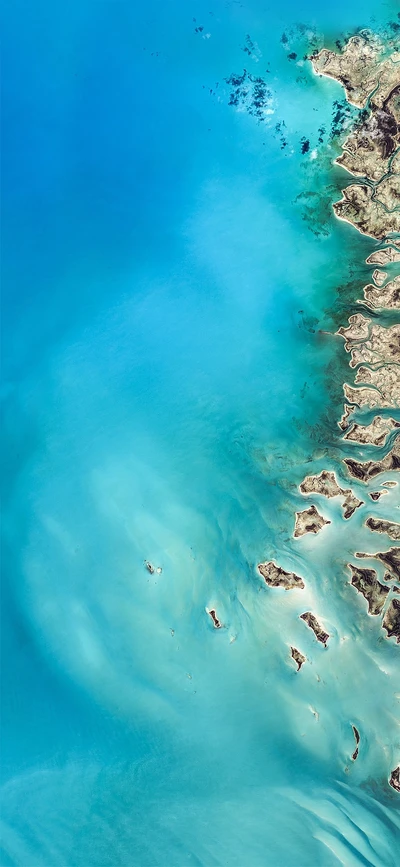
point(249, 92)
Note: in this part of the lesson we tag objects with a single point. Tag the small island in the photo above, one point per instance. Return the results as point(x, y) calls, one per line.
point(309, 521)
point(389, 527)
point(375, 433)
point(394, 779)
point(215, 620)
point(390, 559)
point(384, 297)
point(316, 627)
point(325, 484)
point(298, 657)
point(376, 495)
point(366, 470)
point(356, 734)
point(275, 576)
point(366, 582)
point(368, 67)
point(391, 620)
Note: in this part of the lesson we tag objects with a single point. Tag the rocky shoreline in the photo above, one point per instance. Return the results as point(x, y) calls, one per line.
point(369, 70)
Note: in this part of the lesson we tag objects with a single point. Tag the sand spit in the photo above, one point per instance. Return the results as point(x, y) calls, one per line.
point(359, 207)
point(362, 67)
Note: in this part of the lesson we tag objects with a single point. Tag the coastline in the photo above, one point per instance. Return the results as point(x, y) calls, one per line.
point(369, 70)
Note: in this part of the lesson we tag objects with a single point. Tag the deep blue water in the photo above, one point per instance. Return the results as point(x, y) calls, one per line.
point(165, 389)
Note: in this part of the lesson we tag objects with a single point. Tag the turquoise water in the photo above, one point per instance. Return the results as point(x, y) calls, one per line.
point(168, 267)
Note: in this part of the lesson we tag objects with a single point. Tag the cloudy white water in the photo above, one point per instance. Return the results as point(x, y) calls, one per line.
point(170, 262)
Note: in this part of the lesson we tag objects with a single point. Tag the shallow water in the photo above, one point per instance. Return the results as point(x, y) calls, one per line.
point(168, 269)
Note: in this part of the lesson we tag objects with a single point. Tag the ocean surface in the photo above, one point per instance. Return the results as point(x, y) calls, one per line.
point(170, 268)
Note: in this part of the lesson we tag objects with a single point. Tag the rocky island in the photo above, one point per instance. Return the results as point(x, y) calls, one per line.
point(309, 521)
point(389, 527)
point(366, 470)
point(298, 657)
point(325, 484)
point(316, 627)
point(391, 620)
point(275, 576)
point(376, 495)
point(390, 559)
point(394, 779)
point(385, 296)
point(371, 80)
point(375, 433)
point(215, 620)
point(366, 582)
point(368, 67)
point(356, 734)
